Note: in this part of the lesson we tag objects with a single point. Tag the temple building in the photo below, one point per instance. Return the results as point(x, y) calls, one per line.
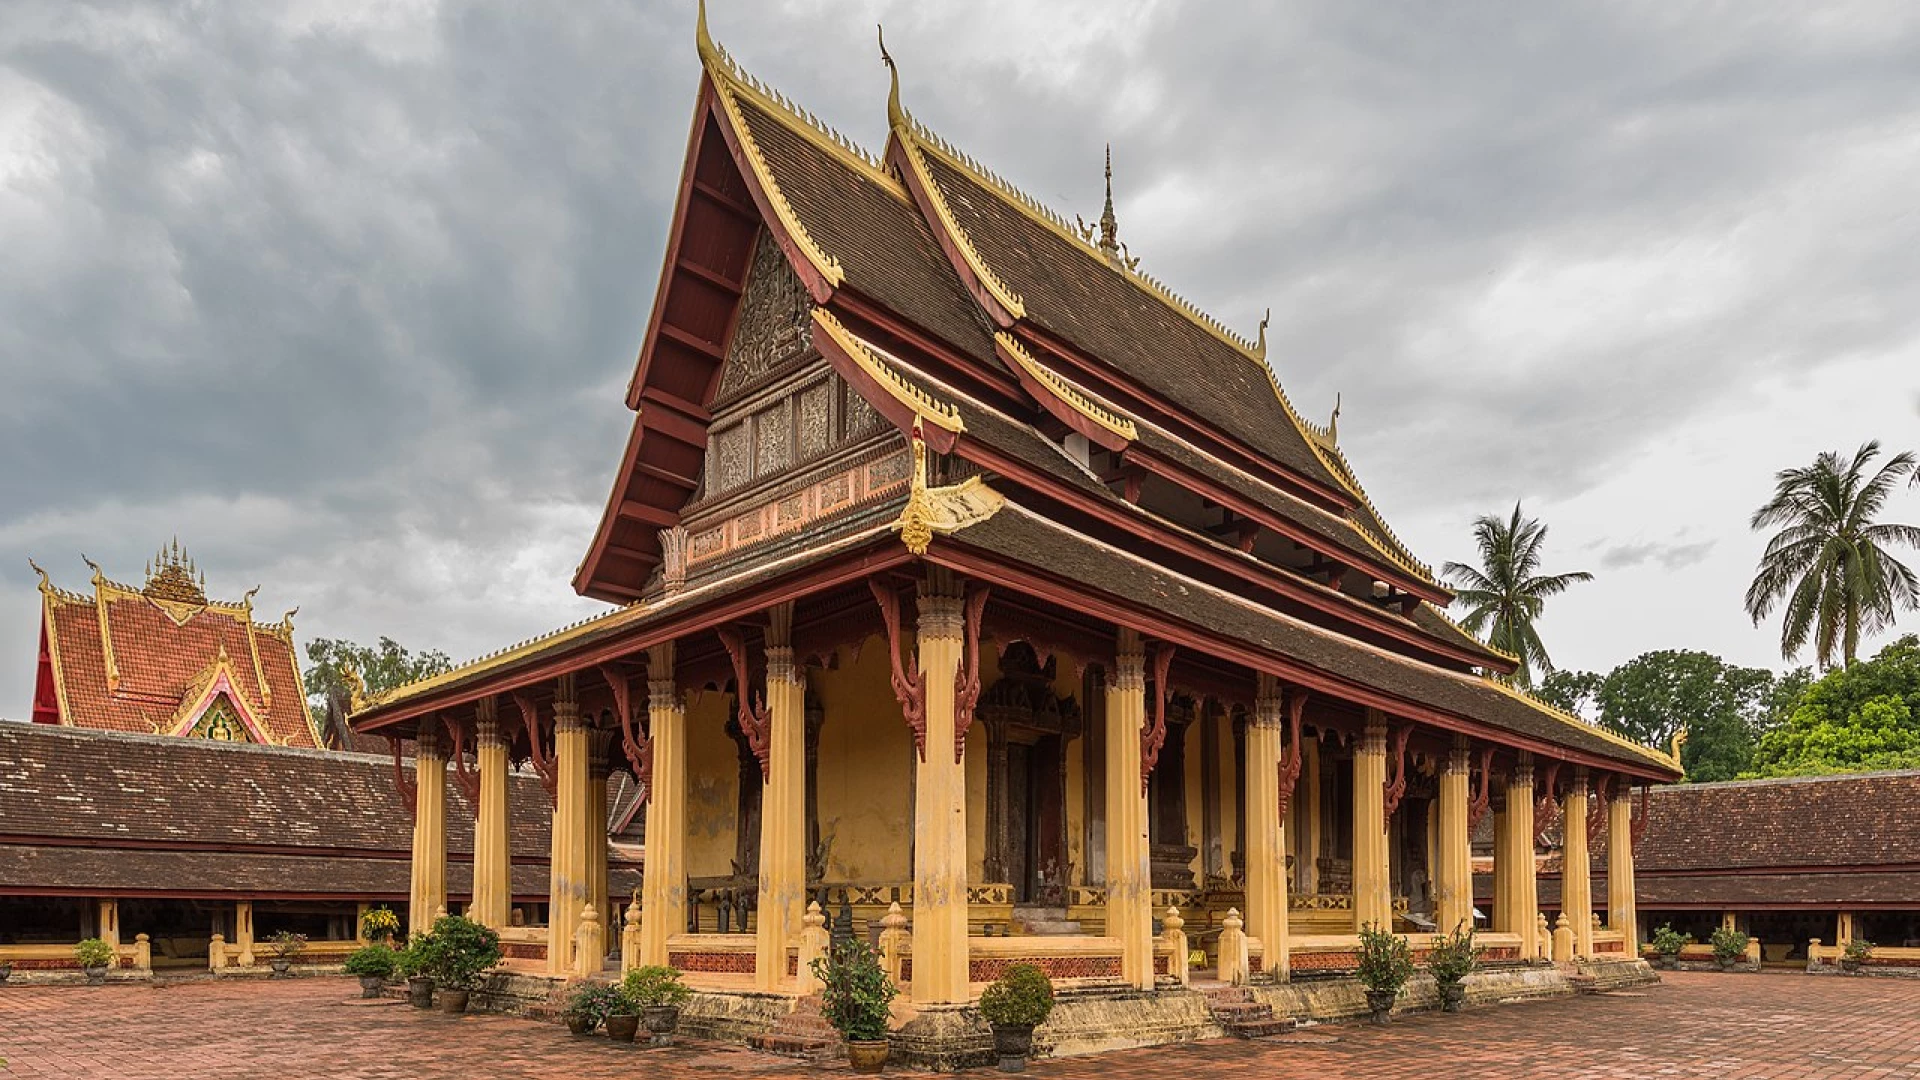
point(984, 592)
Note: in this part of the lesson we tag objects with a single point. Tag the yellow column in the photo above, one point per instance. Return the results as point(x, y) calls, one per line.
point(1576, 869)
point(939, 809)
point(1453, 877)
point(1129, 872)
point(663, 884)
point(1305, 823)
point(1372, 898)
point(492, 854)
point(1621, 913)
point(243, 932)
point(1521, 898)
point(1502, 920)
point(109, 922)
point(567, 891)
point(596, 835)
point(1266, 835)
point(783, 809)
point(429, 891)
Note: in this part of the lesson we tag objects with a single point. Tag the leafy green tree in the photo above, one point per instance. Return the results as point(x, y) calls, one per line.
point(1855, 719)
point(1651, 697)
point(333, 666)
point(1829, 562)
point(1575, 692)
point(1505, 594)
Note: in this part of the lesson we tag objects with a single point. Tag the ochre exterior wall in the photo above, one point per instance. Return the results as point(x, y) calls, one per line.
point(866, 759)
point(713, 786)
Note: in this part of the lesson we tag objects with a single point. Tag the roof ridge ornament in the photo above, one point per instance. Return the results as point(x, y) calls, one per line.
point(896, 113)
point(1260, 346)
point(1109, 228)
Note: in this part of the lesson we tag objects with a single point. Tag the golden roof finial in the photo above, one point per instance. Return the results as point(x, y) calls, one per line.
point(1333, 422)
point(916, 518)
point(173, 576)
point(703, 41)
point(46, 583)
point(1260, 347)
point(896, 113)
point(1107, 236)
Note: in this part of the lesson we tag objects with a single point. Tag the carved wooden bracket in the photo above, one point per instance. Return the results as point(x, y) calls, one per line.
point(1483, 798)
point(1597, 813)
point(1396, 787)
point(468, 780)
point(1290, 761)
point(966, 679)
point(754, 723)
point(536, 747)
point(634, 739)
point(1153, 735)
point(407, 791)
point(1639, 828)
point(1546, 807)
point(909, 686)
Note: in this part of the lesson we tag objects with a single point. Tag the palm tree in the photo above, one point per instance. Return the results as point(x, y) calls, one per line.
point(1505, 595)
point(1829, 560)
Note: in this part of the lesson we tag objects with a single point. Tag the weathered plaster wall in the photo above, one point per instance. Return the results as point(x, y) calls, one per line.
point(713, 786)
point(865, 767)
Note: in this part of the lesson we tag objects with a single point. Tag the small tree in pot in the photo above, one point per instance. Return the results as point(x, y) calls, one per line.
point(1018, 1001)
point(374, 965)
point(658, 992)
point(461, 952)
point(414, 963)
point(1386, 963)
point(285, 947)
point(856, 997)
point(1855, 954)
point(589, 1006)
point(95, 957)
point(380, 925)
point(1729, 946)
point(1451, 960)
point(1667, 943)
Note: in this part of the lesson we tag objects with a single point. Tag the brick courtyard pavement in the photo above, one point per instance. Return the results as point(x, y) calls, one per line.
point(1694, 1026)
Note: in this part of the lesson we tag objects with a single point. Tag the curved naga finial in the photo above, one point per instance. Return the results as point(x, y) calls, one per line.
point(46, 582)
point(91, 565)
point(896, 113)
point(1333, 422)
point(703, 41)
point(1679, 740)
point(1260, 347)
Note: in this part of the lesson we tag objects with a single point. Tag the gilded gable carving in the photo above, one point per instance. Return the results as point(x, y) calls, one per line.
point(775, 322)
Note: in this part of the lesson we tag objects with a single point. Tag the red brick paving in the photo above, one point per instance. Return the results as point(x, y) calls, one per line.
point(1697, 1025)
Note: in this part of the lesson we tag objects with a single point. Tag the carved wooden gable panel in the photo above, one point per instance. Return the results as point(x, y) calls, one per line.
point(775, 326)
point(788, 426)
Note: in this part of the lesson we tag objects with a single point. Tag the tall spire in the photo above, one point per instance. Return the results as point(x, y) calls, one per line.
point(1107, 236)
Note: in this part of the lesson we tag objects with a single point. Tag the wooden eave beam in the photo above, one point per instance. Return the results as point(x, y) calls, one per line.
point(719, 198)
point(635, 510)
point(666, 476)
point(691, 341)
point(724, 284)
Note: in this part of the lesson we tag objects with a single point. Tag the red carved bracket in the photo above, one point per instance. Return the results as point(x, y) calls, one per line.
point(1546, 807)
point(909, 686)
point(1597, 813)
point(1483, 798)
point(1290, 761)
point(754, 722)
point(468, 780)
point(634, 740)
point(407, 791)
point(1396, 788)
point(1153, 735)
point(1639, 828)
point(966, 679)
point(536, 747)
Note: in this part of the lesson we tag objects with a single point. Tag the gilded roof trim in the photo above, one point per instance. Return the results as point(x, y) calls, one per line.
point(907, 130)
point(51, 597)
point(1390, 545)
point(1079, 400)
point(214, 680)
point(928, 408)
point(1567, 717)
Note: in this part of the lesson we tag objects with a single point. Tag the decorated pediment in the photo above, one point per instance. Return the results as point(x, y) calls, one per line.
point(215, 708)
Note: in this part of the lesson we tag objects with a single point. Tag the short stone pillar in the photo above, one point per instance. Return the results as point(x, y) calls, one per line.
point(1562, 940)
point(814, 943)
point(630, 936)
point(893, 940)
point(590, 943)
point(1542, 937)
point(217, 952)
point(1233, 949)
point(1173, 937)
point(143, 953)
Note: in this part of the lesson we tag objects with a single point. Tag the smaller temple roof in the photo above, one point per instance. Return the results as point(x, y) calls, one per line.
point(1848, 821)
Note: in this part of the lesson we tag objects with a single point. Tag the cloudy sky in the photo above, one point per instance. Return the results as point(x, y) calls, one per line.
point(344, 293)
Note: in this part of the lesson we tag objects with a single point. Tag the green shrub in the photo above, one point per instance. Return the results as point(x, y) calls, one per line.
point(855, 992)
point(1729, 944)
point(94, 952)
point(415, 958)
point(460, 950)
point(1386, 960)
point(372, 960)
point(1857, 949)
point(1021, 997)
point(596, 1001)
point(1668, 942)
point(655, 985)
point(1454, 956)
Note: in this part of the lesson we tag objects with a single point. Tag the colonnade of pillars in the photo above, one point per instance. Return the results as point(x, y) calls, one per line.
point(939, 926)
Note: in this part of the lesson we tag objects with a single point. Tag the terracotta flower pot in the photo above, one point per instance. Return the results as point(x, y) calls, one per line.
point(280, 968)
point(867, 1056)
point(420, 992)
point(580, 1023)
point(622, 1027)
point(1013, 1042)
point(660, 1021)
point(1453, 997)
point(372, 986)
point(95, 975)
point(1380, 1004)
point(454, 1001)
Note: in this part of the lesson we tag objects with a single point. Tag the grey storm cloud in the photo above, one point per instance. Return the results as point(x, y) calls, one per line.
point(344, 293)
point(1666, 556)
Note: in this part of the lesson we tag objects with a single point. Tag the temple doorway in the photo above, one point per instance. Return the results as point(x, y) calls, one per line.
point(1037, 809)
point(1029, 729)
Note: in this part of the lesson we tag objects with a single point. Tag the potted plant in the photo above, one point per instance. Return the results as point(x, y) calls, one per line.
point(1667, 943)
point(1729, 946)
point(589, 1004)
point(461, 951)
point(374, 965)
point(1452, 958)
point(1019, 1000)
point(6, 970)
point(286, 947)
point(855, 997)
point(623, 1016)
point(1855, 954)
point(658, 993)
point(414, 963)
point(95, 957)
point(380, 925)
point(1386, 963)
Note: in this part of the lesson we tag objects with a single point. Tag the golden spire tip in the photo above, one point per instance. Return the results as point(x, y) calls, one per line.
point(702, 40)
point(896, 114)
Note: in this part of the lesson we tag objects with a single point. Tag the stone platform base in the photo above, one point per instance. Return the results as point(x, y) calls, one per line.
point(1322, 1000)
point(1600, 976)
point(953, 1037)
